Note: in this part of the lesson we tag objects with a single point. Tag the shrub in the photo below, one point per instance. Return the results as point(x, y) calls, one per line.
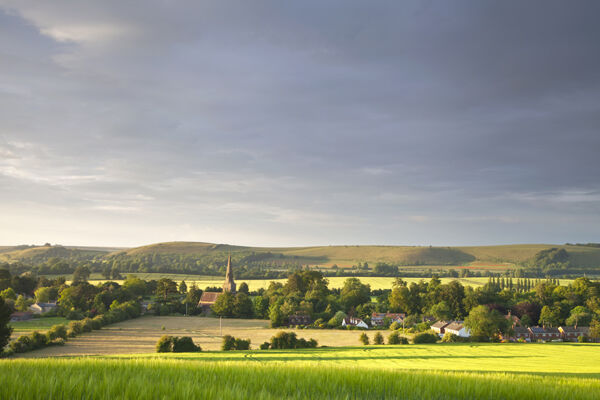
point(56, 332)
point(449, 338)
point(76, 327)
point(581, 339)
point(232, 343)
point(378, 338)
point(21, 344)
point(228, 343)
point(74, 315)
point(395, 338)
point(288, 340)
point(38, 340)
point(425, 337)
point(164, 344)
point(265, 346)
point(241, 344)
point(395, 325)
point(86, 325)
point(184, 344)
point(364, 339)
point(57, 342)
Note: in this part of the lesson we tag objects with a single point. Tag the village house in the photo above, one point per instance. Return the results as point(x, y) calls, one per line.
point(521, 332)
point(209, 298)
point(353, 321)
point(572, 333)
point(378, 319)
point(299, 318)
point(543, 333)
point(457, 328)
point(439, 327)
point(42, 308)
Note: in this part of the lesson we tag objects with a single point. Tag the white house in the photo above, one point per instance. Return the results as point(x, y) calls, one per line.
point(352, 321)
point(457, 328)
point(41, 308)
point(439, 327)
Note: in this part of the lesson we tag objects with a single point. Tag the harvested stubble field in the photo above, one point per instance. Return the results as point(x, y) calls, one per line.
point(440, 371)
point(140, 335)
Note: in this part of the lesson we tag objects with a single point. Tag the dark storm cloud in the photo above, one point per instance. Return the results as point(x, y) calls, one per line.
point(301, 122)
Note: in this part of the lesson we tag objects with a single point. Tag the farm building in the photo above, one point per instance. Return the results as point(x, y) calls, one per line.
point(457, 328)
point(378, 319)
point(439, 327)
point(543, 333)
point(571, 333)
point(209, 298)
point(353, 321)
point(299, 318)
point(42, 308)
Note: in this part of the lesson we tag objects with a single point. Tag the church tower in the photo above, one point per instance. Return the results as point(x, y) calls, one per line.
point(229, 285)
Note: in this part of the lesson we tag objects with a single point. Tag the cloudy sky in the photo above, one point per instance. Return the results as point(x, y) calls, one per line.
point(298, 123)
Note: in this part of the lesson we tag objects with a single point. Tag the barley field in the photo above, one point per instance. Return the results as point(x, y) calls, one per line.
point(439, 371)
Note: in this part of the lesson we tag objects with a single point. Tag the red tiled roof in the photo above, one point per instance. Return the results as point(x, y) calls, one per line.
point(209, 297)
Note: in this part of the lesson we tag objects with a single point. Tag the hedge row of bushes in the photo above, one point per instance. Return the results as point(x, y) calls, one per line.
point(232, 343)
point(176, 344)
point(396, 338)
point(288, 340)
point(58, 334)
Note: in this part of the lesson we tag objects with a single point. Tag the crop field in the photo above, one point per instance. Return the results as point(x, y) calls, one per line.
point(439, 371)
point(36, 324)
point(141, 334)
point(203, 281)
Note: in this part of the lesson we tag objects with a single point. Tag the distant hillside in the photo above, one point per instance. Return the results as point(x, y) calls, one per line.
point(347, 256)
point(39, 254)
point(270, 262)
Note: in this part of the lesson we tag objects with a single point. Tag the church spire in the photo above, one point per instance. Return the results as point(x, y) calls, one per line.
point(229, 285)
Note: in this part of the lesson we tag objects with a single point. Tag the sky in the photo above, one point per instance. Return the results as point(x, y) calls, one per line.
point(275, 123)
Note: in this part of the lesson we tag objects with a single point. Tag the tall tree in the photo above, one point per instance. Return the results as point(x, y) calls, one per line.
point(5, 330)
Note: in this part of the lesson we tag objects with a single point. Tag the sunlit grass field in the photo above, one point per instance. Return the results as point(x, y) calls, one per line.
point(440, 371)
point(36, 324)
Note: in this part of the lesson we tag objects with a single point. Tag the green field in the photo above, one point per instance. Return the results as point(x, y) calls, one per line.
point(441, 371)
point(36, 324)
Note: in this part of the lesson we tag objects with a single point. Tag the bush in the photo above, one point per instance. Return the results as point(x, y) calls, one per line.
point(76, 327)
point(395, 325)
point(241, 344)
point(232, 343)
point(184, 344)
point(74, 315)
point(288, 340)
point(425, 337)
point(57, 342)
point(57, 332)
point(581, 339)
point(228, 343)
point(21, 344)
point(395, 338)
point(38, 340)
point(86, 325)
point(364, 339)
point(449, 338)
point(164, 344)
point(265, 346)
point(378, 338)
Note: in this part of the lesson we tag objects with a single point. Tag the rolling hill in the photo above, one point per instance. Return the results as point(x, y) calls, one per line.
point(409, 257)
